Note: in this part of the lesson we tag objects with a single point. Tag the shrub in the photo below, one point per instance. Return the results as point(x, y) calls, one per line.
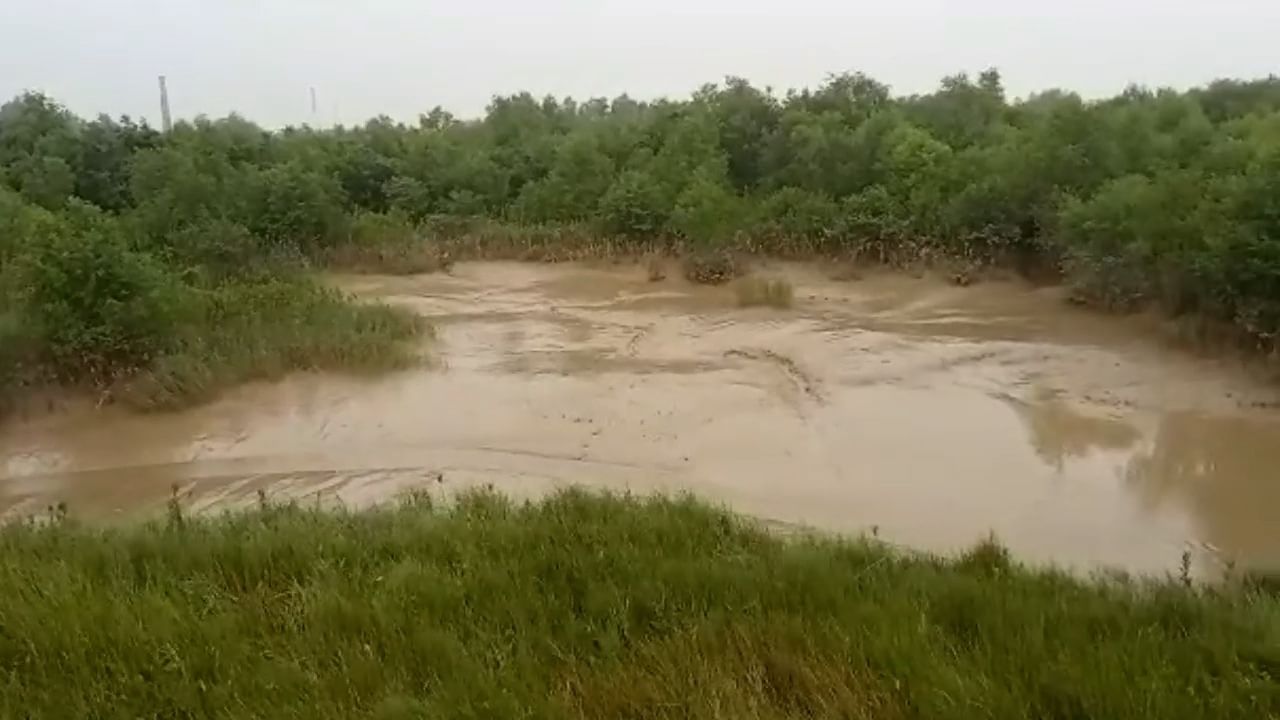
point(99, 307)
point(797, 213)
point(710, 267)
point(707, 213)
point(634, 206)
point(219, 249)
point(1114, 242)
point(297, 207)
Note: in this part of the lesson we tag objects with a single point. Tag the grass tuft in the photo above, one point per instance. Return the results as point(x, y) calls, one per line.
point(592, 606)
point(752, 292)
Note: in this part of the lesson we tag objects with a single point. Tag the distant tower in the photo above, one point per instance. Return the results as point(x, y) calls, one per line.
point(166, 122)
point(313, 104)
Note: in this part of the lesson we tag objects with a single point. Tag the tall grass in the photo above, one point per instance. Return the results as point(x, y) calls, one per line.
point(264, 330)
point(771, 292)
point(594, 607)
point(387, 243)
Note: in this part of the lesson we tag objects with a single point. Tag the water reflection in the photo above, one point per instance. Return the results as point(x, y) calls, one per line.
point(1221, 472)
point(1226, 472)
point(1059, 433)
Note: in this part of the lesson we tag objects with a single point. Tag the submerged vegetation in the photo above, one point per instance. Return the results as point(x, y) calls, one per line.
point(118, 243)
point(596, 607)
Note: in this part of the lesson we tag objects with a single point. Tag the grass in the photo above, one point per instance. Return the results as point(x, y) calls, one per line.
point(754, 291)
point(392, 258)
point(267, 329)
point(388, 243)
point(587, 606)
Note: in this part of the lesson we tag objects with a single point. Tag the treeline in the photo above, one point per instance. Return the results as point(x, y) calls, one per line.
point(1150, 196)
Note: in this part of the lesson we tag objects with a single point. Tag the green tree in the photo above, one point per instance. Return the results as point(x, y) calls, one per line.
point(707, 212)
point(291, 206)
point(634, 205)
point(98, 306)
point(107, 149)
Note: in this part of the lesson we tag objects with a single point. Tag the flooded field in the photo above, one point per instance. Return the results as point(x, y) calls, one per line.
point(927, 413)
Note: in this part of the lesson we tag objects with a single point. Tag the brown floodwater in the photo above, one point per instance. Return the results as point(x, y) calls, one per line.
point(930, 414)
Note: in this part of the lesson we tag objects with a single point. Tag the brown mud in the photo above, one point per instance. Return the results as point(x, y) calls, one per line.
point(928, 413)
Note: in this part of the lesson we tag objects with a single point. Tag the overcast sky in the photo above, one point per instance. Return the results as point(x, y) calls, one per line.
point(401, 57)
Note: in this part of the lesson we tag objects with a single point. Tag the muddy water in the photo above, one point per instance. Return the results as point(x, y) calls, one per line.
point(930, 413)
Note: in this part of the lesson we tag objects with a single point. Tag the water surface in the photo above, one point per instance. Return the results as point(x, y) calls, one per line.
point(929, 413)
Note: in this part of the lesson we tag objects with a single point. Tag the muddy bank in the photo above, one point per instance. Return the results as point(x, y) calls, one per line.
point(932, 413)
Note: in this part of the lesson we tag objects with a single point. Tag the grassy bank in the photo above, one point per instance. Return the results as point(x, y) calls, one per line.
point(207, 340)
point(585, 606)
point(264, 330)
point(87, 299)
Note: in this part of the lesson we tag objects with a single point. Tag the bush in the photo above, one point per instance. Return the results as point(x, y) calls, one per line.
point(100, 308)
point(634, 206)
point(1115, 242)
point(796, 213)
point(410, 197)
point(215, 250)
point(297, 207)
point(707, 214)
point(711, 267)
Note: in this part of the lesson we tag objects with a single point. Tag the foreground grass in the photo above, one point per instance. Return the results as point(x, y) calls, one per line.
point(588, 606)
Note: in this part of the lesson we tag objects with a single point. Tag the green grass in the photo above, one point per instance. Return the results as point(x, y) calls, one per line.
point(387, 243)
point(266, 329)
point(594, 607)
point(753, 291)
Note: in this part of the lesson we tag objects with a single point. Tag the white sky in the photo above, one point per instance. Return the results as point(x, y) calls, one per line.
point(401, 57)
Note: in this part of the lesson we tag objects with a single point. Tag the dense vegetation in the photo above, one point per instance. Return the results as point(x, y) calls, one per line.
point(115, 271)
point(589, 606)
point(120, 246)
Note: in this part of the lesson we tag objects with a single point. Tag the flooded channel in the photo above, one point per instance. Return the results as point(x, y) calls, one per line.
point(928, 413)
